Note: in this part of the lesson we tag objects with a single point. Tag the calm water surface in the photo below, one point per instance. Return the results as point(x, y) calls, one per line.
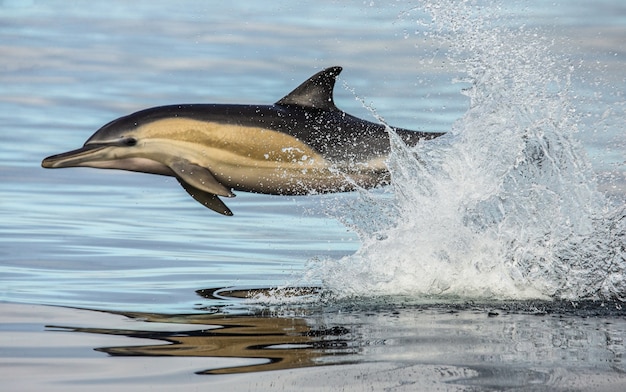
point(138, 248)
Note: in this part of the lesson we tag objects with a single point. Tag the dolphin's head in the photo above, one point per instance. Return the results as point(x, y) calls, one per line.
point(150, 141)
point(120, 144)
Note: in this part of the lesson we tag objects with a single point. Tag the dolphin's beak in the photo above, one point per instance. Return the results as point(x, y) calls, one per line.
point(73, 158)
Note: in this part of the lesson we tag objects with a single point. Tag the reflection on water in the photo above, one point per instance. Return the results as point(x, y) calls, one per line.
point(503, 344)
point(283, 342)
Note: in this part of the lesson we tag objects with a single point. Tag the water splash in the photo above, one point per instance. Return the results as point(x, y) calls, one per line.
point(505, 205)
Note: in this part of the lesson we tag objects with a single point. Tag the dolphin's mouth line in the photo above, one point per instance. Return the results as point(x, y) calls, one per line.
point(68, 158)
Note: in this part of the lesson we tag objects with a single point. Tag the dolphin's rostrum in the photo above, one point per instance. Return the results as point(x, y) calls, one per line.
point(302, 144)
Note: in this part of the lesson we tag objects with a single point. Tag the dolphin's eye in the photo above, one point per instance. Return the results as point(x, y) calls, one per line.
point(130, 141)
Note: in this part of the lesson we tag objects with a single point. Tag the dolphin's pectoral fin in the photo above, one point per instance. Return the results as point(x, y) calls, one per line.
point(199, 177)
point(209, 200)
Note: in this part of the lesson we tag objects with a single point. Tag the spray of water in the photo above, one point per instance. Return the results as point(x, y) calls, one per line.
point(505, 206)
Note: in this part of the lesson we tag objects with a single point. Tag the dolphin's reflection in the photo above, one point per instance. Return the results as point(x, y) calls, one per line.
point(284, 342)
point(501, 343)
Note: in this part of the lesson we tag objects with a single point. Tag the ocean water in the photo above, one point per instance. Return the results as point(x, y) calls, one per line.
point(495, 260)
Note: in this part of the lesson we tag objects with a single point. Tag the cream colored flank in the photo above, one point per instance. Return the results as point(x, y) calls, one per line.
point(242, 158)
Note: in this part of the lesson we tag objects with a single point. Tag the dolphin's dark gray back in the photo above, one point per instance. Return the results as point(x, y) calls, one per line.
point(308, 113)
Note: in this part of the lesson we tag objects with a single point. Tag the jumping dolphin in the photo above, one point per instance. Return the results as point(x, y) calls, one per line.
point(302, 144)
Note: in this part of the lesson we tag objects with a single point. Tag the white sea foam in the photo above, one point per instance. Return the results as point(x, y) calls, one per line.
point(503, 206)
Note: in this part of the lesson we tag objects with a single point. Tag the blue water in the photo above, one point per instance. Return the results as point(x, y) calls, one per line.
point(122, 241)
point(92, 238)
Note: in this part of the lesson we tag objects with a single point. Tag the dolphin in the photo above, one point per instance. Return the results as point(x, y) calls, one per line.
point(302, 144)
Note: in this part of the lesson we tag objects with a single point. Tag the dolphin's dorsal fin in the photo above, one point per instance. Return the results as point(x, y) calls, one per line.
point(316, 92)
